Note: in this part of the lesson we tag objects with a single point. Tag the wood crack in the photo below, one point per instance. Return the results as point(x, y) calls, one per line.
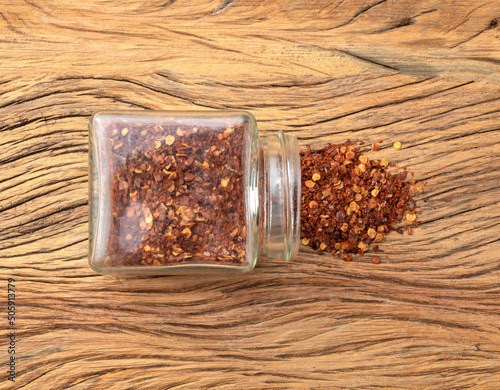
point(22, 100)
point(358, 13)
point(467, 17)
point(44, 237)
point(26, 122)
point(43, 251)
point(222, 7)
point(381, 106)
point(491, 26)
point(367, 60)
point(145, 86)
point(436, 116)
point(29, 198)
point(10, 26)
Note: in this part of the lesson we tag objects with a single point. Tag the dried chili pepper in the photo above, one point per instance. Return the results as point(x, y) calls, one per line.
point(355, 201)
point(171, 199)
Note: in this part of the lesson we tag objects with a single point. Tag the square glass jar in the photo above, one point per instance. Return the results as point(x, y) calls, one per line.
point(173, 191)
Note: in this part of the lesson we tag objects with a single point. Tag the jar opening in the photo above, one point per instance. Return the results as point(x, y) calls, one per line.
point(281, 195)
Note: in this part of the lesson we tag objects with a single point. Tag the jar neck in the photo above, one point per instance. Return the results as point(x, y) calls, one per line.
point(279, 192)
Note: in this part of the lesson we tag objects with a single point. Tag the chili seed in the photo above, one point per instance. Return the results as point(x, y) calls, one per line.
point(310, 184)
point(170, 139)
point(224, 182)
point(411, 217)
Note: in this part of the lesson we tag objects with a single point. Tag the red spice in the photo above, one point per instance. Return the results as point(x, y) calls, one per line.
point(376, 260)
point(356, 202)
point(172, 198)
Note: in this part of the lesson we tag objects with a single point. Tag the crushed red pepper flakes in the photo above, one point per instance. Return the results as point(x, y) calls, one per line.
point(172, 197)
point(351, 207)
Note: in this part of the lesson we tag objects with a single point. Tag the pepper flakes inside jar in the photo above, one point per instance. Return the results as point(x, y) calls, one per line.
point(176, 194)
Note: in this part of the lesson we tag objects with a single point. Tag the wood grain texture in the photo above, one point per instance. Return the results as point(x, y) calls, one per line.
point(423, 73)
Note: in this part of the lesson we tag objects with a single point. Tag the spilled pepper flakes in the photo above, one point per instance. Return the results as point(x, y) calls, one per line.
point(376, 260)
point(352, 206)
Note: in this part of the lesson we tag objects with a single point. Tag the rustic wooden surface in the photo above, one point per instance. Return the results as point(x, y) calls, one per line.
point(424, 73)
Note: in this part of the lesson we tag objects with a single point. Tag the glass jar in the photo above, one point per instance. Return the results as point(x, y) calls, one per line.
point(172, 191)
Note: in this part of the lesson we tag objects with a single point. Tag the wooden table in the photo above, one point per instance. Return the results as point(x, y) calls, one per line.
point(422, 73)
